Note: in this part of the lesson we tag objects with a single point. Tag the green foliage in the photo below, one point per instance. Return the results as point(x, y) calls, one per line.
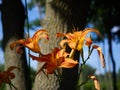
point(2, 69)
point(87, 70)
point(32, 75)
point(0, 43)
point(32, 3)
point(83, 78)
point(105, 15)
point(33, 24)
point(3, 87)
point(89, 86)
point(40, 4)
point(118, 79)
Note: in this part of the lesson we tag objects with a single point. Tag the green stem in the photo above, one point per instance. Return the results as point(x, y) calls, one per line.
point(82, 56)
point(84, 82)
point(84, 62)
point(90, 52)
point(11, 85)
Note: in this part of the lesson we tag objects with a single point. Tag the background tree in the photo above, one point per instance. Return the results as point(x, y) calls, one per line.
point(13, 17)
point(60, 16)
point(63, 16)
point(105, 15)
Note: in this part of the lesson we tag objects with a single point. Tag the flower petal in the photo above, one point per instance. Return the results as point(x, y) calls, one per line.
point(42, 33)
point(44, 58)
point(96, 82)
point(12, 68)
point(59, 35)
point(50, 68)
point(68, 63)
point(99, 50)
point(32, 43)
point(61, 53)
point(88, 30)
point(63, 42)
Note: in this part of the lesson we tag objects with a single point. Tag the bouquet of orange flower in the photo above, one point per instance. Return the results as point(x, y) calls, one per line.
point(59, 58)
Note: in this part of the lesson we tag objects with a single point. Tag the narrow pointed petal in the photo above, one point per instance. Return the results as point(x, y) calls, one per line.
point(68, 63)
point(58, 35)
point(96, 82)
point(99, 50)
point(88, 30)
point(44, 58)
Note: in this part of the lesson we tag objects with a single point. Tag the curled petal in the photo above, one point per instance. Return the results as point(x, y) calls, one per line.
point(78, 36)
point(87, 30)
point(99, 50)
point(12, 45)
point(55, 59)
point(19, 50)
point(11, 75)
point(96, 82)
point(6, 76)
point(12, 68)
point(32, 43)
point(42, 33)
point(61, 53)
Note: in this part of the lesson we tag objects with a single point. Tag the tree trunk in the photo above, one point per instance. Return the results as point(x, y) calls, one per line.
point(52, 25)
point(56, 22)
point(114, 80)
point(13, 16)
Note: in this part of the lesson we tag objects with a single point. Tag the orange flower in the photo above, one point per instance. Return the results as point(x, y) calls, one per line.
point(6, 76)
point(31, 43)
point(54, 60)
point(76, 39)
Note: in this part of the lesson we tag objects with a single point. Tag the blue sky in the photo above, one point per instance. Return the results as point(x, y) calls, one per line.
point(94, 59)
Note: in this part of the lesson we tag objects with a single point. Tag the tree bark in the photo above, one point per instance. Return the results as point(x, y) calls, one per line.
point(13, 17)
point(56, 22)
point(52, 25)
